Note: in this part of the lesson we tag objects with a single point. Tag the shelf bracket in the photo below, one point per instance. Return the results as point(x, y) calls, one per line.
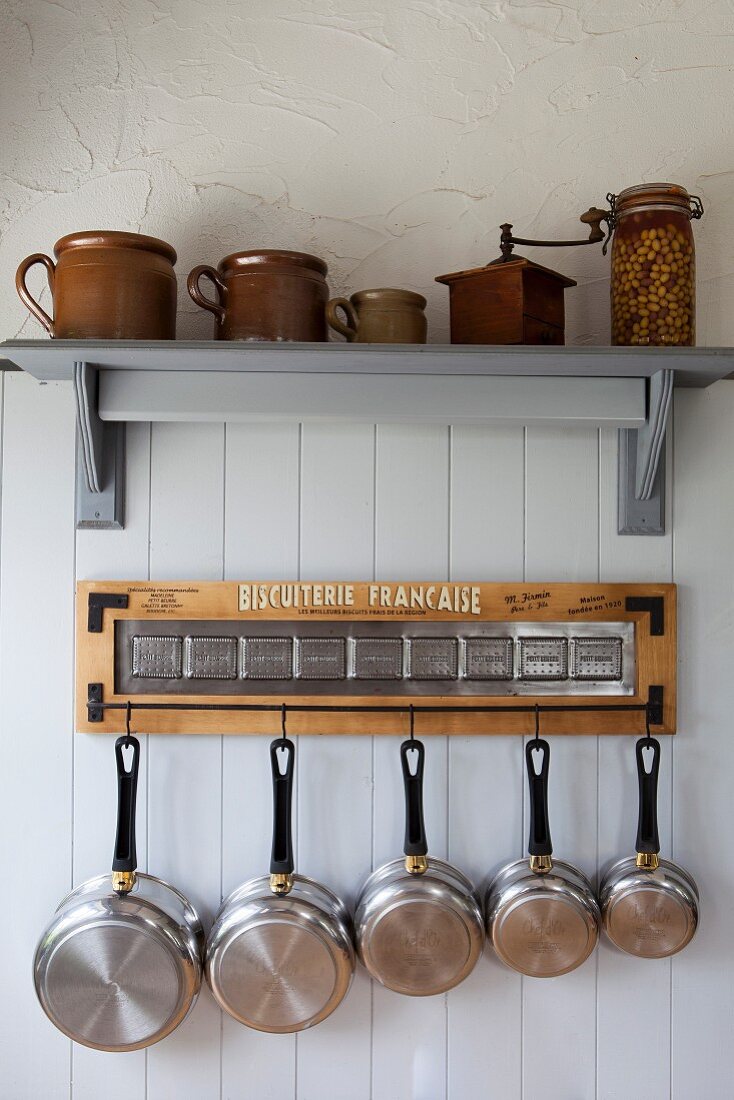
point(641, 468)
point(100, 457)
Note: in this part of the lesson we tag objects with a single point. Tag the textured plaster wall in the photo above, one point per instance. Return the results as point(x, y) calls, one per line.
point(391, 138)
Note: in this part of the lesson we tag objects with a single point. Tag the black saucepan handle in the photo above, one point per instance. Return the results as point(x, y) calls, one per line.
point(647, 780)
point(415, 827)
point(125, 857)
point(539, 843)
point(281, 858)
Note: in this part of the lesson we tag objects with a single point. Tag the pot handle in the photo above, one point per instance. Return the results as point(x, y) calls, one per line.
point(349, 329)
point(217, 308)
point(416, 845)
point(281, 857)
point(648, 840)
point(125, 859)
point(540, 847)
point(24, 293)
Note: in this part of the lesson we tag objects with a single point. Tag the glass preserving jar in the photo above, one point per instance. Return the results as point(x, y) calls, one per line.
point(653, 284)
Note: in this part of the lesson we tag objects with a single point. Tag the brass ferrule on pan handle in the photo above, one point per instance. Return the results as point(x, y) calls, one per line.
point(416, 865)
point(281, 884)
point(541, 865)
point(648, 861)
point(123, 881)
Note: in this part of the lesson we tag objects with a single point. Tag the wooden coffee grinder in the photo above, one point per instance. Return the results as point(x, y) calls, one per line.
point(513, 300)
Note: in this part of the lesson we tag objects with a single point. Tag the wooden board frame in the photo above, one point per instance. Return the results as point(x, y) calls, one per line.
point(495, 602)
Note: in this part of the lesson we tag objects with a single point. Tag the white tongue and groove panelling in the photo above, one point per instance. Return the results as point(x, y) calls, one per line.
point(375, 502)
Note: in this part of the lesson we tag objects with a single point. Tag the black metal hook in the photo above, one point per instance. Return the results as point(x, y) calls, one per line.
point(648, 735)
point(537, 722)
point(283, 712)
point(128, 716)
point(412, 722)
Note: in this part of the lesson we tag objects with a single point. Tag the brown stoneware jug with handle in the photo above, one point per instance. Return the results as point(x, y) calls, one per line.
point(268, 294)
point(382, 316)
point(106, 285)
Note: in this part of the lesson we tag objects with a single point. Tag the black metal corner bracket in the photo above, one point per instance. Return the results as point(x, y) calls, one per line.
point(656, 607)
point(98, 601)
point(655, 704)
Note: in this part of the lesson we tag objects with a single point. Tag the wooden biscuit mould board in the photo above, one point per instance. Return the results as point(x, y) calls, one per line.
point(362, 657)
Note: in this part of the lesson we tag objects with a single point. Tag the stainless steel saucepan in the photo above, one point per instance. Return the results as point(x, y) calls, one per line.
point(119, 966)
point(418, 923)
point(280, 956)
point(542, 918)
point(649, 905)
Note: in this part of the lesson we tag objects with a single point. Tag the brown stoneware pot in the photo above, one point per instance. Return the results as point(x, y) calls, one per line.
point(382, 316)
point(267, 294)
point(106, 286)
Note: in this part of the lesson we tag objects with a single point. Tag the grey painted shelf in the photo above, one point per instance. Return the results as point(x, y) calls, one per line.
point(120, 381)
point(53, 360)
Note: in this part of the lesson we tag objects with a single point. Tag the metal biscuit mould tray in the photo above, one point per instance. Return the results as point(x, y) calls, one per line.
point(379, 658)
